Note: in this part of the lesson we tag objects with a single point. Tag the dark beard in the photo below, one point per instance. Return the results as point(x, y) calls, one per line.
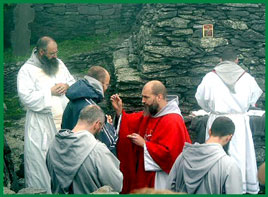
point(151, 109)
point(49, 66)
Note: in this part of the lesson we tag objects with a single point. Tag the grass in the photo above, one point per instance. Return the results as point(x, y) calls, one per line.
point(14, 109)
point(10, 58)
point(67, 48)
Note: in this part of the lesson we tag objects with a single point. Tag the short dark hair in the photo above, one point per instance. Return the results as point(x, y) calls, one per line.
point(92, 113)
point(97, 72)
point(229, 54)
point(43, 42)
point(222, 126)
point(159, 88)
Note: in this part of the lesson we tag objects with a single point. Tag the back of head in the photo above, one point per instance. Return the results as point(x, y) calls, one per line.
point(97, 72)
point(222, 126)
point(229, 54)
point(91, 113)
point(43, 42)
point(158, 88)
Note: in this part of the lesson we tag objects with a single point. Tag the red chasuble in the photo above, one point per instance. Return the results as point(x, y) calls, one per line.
point(165, 137)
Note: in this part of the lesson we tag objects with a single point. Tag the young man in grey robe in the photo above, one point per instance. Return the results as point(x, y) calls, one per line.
point(80, 164)
point(206, 168)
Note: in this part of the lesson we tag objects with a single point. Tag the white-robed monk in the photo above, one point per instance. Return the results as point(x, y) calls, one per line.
point(42, 82)
point(228, 90)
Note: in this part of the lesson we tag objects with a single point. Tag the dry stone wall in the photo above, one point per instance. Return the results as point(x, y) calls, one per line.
point(165, 43)
point(68, 20)
point(65, 21)
point(168, 45)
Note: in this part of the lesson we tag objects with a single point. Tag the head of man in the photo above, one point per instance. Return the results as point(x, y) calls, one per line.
point(101, 74)
point(92, 118)
point(222, 129)
point(47, 50)
point(153, 97)
point(229, 54)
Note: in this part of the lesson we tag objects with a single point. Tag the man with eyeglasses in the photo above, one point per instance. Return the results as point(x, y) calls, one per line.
point(80, 164)
point(42, 83)
point(87, 91)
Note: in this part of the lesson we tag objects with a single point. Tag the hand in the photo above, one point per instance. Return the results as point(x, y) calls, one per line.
point(136, 139)
point(109, 119)
point(59, 89)
point(117, 104)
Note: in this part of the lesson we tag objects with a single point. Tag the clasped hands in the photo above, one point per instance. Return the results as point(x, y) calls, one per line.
point(59, 89)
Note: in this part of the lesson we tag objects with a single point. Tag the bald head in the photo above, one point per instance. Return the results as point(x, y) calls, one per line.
point(157, 87)
point(153, 97)
point(43, 42)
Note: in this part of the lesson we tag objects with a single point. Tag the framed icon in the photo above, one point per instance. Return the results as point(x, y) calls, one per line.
point(207, 30)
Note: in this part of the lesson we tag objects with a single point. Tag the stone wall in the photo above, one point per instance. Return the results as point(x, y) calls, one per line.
point(166, 42)
point(65, 21)
point(168, 45)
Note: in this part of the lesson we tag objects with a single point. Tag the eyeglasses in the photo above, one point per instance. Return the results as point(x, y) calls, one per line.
point(101, 125)
point(53, 53)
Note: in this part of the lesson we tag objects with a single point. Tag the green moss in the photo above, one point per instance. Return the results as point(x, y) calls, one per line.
point(14, 109)
point(68, 48)
point(9, 57)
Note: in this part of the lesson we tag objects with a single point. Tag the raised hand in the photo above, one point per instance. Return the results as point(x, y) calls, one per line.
point(117, 104)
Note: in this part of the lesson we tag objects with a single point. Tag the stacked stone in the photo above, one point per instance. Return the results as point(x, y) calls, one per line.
point(128, 80)
point(10, 76)
point(168, 45)
point(66, 21)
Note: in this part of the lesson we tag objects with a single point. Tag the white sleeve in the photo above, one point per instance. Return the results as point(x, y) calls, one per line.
point(68, 77)
point(33, 98)
point(149, 163)
point(203, 94)
point(118, 125)
point(256, 92)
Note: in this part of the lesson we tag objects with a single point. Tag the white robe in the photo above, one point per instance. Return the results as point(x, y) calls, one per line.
point(214, 97)
point(43, 118)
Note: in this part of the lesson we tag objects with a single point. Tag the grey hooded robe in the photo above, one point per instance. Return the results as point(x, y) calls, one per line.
point(80, 164)
point(205, 169)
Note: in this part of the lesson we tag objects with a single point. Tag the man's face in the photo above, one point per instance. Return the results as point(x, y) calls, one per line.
point(48, 58)
point(106, 83)
point(149, 101)
point(99, 126)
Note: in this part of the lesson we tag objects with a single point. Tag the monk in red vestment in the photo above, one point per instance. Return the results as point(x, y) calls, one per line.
point(150, 140)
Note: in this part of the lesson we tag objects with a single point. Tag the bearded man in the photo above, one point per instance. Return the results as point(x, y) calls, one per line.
point(150, 140)
point(42, 82)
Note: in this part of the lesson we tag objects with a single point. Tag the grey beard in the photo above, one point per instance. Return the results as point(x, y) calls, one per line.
point(50, 67)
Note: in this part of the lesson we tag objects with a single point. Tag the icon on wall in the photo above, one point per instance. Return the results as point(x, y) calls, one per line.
point(207, 30)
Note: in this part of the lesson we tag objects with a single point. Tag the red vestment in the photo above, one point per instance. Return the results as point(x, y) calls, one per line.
point(165, 137)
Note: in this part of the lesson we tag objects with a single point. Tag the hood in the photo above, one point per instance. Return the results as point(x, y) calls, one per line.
point(88, 87)
point(33, 60)
point(68, 152)
point(198, 159)
point(230, 73)
point(171, 108)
